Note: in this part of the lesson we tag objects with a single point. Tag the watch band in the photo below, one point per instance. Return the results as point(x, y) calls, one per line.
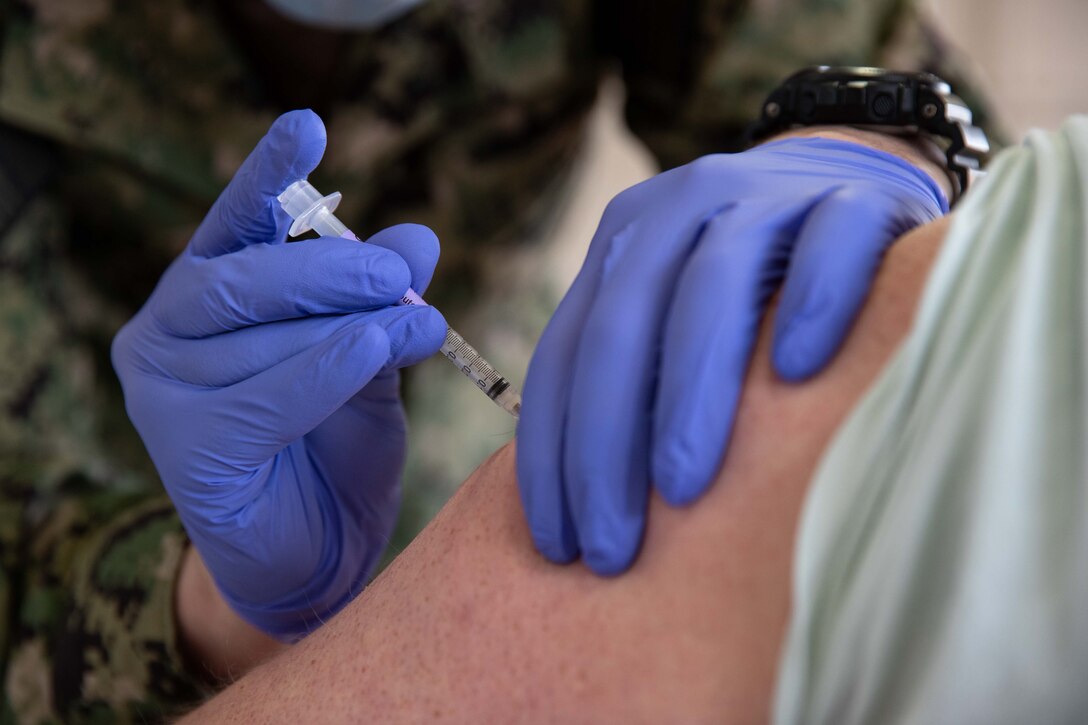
point(875, 97)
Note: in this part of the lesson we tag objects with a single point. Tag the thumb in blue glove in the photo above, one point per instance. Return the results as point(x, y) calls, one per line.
point(638, 375)
point(262, 377)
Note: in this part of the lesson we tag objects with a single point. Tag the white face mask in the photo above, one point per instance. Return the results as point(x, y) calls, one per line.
point(343, 14)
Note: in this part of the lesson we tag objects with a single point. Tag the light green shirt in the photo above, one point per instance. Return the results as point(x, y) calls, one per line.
point(941, 571)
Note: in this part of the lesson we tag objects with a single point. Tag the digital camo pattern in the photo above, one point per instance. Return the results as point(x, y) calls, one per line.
point(463, 115)
point(93, 588)
point(88, 547)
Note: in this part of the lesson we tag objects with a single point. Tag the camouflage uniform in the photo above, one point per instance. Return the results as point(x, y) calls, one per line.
point(463, 115)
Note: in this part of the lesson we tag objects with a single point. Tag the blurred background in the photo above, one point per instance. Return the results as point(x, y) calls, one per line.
point(1031, 59)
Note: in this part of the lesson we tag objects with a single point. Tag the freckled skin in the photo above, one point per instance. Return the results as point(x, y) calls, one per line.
point(470, 624)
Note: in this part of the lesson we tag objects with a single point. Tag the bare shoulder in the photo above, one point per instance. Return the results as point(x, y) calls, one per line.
point(470, 623)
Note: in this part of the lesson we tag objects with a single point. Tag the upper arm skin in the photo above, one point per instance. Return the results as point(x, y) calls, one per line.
point(471, 624)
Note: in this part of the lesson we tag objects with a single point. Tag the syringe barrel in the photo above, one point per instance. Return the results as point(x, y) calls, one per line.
point(311, 210)
point(473, 364)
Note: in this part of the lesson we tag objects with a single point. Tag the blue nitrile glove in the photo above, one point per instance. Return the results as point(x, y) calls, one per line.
point(262, 379)
point(638, 374)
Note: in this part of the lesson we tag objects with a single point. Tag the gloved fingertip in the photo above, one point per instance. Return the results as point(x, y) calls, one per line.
point(542, 495)
point(419, 237)
point(374, 342)
point(806, 332)
point(689, 440)
point(555, 550)
point(432, 329)
point(297, 121)
point(417, 333)
point(296, 142)
point(387, 275)
point(609, 558)
point(610, 545)
point(552, 535)
point(419, 247)
point(678, 484)
point(800, 351)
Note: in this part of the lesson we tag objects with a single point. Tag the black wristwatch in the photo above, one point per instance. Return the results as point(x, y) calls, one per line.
point(889, 100)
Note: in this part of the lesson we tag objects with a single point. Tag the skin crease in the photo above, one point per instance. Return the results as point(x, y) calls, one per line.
point(471, 624)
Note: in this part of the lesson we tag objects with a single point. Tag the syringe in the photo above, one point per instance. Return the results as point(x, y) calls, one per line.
point(311, 210)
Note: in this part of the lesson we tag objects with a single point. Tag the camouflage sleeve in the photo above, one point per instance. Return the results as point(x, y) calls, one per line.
point(88, 592)
point(696, 77)
point(89, 547)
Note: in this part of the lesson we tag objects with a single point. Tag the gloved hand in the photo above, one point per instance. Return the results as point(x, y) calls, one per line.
point(638, 374)
point(262, 379)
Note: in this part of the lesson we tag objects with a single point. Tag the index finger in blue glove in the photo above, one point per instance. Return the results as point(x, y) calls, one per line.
point(268, 282)
point(540, 434)
point(837, 254)
point(247, 211)
point(418, 247)
point(612, 391)
point(546, 398)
